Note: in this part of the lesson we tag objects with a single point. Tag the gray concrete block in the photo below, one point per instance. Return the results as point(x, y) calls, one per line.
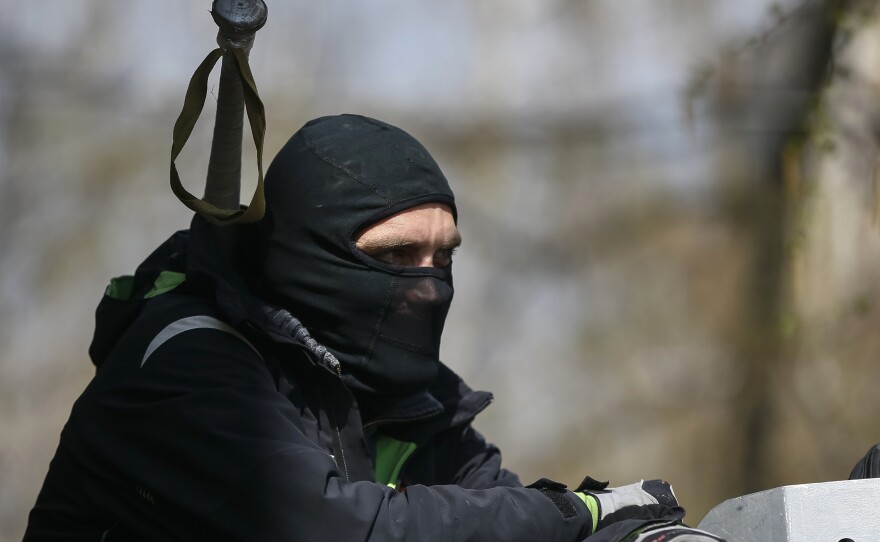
point(846, 511)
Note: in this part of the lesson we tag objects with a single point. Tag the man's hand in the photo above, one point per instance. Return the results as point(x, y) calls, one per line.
point(652, 499)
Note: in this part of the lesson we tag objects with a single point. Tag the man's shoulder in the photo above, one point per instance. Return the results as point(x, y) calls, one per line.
point(179, 329)
point(168, 308)
point(177, 317)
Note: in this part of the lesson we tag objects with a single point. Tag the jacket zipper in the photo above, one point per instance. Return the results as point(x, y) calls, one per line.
point(335, 367)
point(338, 369)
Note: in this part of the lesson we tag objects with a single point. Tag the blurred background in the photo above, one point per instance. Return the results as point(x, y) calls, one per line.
point(669, 212)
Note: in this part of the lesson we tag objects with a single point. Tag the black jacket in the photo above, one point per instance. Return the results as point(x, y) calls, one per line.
point(245, 433)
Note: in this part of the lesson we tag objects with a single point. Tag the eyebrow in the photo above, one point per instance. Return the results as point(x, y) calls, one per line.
point(397, 242)
point(455, 242)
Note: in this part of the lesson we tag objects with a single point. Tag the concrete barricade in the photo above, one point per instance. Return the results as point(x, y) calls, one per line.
point(846, 511)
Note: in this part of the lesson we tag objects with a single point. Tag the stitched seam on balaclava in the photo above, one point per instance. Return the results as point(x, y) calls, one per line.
point(380, 319)
point(329, 161)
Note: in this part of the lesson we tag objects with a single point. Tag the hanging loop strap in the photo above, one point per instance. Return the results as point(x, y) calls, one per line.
point(193, 103)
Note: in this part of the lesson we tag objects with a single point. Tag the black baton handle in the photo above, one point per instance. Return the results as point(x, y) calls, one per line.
point(238, 21)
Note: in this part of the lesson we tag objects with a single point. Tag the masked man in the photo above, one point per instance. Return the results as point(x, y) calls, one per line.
point(288, 386)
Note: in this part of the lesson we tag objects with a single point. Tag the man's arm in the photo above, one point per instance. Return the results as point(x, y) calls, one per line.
point(199, 443)
point(473, 463)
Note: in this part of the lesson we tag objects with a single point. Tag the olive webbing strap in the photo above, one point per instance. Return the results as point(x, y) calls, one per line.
point(193, 103)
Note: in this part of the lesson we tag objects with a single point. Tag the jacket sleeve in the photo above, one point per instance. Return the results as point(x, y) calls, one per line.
point(199, 444)
point(474, 463)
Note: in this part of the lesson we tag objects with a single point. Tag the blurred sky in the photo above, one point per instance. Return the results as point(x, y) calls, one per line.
point(416, 55)
point(525, 63)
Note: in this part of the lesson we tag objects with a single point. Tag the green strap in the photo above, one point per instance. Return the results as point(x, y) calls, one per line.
point(193, 103)
point(391, 454)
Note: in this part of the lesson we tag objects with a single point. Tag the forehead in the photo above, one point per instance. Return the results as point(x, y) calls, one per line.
point(429, 222)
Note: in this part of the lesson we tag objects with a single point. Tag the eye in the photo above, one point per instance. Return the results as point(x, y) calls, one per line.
point(414, 255)
point(443, 258)
point(396, 256)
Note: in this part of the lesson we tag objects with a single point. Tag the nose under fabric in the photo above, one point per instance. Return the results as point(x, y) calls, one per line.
point(416, 314)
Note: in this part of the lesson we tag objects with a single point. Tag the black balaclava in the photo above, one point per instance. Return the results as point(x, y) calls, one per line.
point(336, 176)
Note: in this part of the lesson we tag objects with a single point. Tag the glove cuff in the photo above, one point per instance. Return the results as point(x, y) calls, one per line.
point(593, 506)
point(566, 502)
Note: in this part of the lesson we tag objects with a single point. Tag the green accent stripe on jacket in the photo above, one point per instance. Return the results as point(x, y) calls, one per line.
point(391, 454)
point(122, 288)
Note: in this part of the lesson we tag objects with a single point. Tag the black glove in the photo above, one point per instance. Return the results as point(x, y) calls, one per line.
point(644, 500)
point(646, 511)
